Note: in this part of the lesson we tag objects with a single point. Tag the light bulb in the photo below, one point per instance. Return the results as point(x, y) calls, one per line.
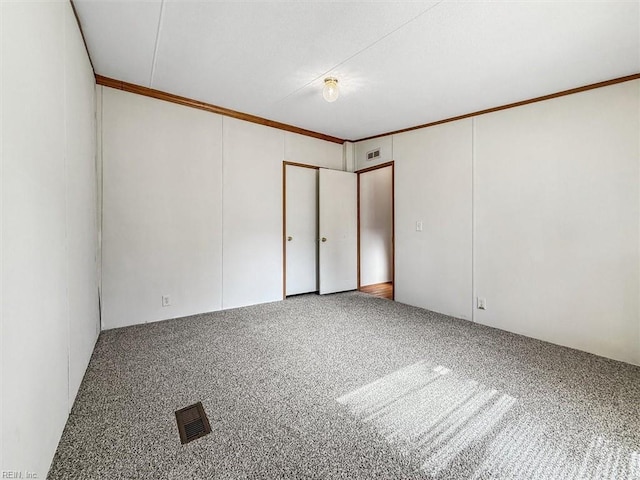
point(330, 91)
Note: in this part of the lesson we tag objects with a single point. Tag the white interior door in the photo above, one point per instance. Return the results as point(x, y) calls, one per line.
point(338, 216)
point(301, 230)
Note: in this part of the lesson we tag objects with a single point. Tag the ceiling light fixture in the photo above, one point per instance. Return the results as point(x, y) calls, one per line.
point(330, 91)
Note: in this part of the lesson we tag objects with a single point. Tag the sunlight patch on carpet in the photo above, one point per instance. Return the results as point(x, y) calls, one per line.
point(442, 419)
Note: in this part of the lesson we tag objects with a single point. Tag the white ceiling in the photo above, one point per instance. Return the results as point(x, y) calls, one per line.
point(399, 64)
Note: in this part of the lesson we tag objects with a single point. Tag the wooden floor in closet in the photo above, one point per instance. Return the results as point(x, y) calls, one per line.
point(383, 290)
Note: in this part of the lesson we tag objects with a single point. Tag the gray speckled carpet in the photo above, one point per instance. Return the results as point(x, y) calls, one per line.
point(349, 386)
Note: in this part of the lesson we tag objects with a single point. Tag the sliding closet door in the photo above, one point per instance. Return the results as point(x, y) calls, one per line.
point(338, 231)
point(301, 229)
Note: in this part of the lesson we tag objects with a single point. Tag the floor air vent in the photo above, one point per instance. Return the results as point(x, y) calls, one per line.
point(192, 423)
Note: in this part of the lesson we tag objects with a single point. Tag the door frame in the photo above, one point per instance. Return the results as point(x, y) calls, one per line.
point(284, 219)
point(393, 220)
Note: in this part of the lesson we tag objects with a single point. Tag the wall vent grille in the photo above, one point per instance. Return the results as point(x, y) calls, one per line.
point(373, 154)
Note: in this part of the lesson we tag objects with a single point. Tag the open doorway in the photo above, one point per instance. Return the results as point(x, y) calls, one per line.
point(376, 255)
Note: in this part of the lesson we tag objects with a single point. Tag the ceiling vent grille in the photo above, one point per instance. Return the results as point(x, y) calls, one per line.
point(192, 423)
point(373, 154)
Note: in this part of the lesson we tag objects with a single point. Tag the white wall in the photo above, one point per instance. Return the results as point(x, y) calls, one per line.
point(162, 209)
point(556, 209)
point(312, 151)
point(252, 255)
point(82, 203)
point(349, 155)
point(433, 186)
point(192, 208)
point(545, 200)
point(49, 285)
point(376, 222)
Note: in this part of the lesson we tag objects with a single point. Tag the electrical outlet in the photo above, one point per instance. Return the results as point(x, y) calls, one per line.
point(418, 226)
point(166, 300)
point(482, 303)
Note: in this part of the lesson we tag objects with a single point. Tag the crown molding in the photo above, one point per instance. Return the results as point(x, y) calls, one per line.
point(188, 102)
point(563, 93)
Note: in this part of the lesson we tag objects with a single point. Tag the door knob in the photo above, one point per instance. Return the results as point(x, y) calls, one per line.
point(324, 239)
point(289, 239)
